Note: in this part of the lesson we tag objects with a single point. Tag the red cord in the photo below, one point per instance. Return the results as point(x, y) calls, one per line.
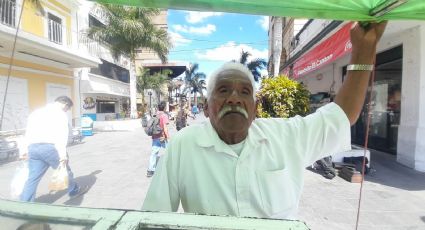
point(372, 78)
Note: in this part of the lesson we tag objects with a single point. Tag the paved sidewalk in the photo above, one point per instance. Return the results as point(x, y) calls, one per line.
point(393, 198)
point(114, 165)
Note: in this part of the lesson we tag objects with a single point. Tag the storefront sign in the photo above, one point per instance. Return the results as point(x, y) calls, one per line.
point(89, 103)
point(326, 52)
point(106, 98)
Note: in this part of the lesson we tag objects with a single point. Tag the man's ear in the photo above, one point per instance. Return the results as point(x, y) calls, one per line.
point(257, 103)
point(206, 108)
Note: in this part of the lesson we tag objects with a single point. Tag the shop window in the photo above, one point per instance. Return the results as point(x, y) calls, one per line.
point(105, 107)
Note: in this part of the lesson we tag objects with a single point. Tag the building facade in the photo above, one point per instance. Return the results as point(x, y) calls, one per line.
point(282, 38)
point(104, 88)
point(45, 57)
point(319, 59)
point(147, 58)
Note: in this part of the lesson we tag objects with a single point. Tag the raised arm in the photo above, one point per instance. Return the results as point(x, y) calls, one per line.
point(352, 94)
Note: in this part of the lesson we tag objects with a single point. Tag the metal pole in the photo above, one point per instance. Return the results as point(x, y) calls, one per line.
point(150, 103)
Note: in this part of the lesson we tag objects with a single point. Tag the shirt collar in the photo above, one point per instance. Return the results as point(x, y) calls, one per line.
point(210, 138)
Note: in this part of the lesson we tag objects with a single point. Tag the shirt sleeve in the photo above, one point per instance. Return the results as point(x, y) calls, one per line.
point(163, 193)
point(323, 133)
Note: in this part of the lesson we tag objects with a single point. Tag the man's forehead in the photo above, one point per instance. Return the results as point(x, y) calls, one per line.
point(233, 75)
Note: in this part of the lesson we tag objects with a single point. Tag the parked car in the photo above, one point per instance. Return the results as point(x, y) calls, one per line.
point(9, 150)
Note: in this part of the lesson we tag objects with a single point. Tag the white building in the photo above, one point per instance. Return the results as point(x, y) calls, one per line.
point(45, 58)
point(105, 89)
point(319, 55)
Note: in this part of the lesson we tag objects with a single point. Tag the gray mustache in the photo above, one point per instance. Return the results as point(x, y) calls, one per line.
point(228, 108)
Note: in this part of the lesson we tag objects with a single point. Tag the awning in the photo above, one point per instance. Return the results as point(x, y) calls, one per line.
point(326, 52)
point(177, 69)
point(354, 10)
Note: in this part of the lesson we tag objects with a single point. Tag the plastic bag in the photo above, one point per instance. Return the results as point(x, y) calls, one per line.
point(59, 180)
point(19, 179)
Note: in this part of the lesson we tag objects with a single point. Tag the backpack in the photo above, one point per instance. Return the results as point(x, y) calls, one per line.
point(153, 127)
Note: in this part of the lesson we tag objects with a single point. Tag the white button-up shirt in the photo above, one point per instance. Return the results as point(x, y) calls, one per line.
point(48, 125)
point(207, 177)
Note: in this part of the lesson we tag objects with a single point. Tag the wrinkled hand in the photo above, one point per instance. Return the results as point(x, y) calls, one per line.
point(364, 41)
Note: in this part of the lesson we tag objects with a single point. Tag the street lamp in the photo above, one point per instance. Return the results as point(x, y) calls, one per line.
point(150, 101)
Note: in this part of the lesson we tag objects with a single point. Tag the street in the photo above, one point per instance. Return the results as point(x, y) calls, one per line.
point(113, 165)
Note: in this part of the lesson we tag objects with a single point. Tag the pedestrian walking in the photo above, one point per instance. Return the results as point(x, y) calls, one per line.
point(158, 140)
point(182, 114)
point(47, 137)
point(195, 110)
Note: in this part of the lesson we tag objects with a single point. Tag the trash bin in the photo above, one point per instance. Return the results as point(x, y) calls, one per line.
point(87, 126)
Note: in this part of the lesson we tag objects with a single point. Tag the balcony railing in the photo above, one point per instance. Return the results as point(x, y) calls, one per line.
point(55, 31)
point(8, 12)
point(101, 49)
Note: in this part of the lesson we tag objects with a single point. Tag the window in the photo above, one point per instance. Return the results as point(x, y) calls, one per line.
point(55, 28)
point(8, 12)
point(105, 106)
point(93, 22)
point(112, 71)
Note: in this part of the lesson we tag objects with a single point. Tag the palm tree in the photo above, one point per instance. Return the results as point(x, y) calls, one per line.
point(147, 81)
point(194, 81)
point(130, 28)
point(38, 6)
point(255, 66)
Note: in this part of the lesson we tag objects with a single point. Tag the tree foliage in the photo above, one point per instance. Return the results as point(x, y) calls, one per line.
point(282, 97)
point(194, 81)
point(130, 28)
point(156, 82)
point(255, 66)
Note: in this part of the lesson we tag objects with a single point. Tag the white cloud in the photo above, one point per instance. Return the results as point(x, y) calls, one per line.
point(178, 40)
point(240, 28)
point(264, 22)
point(197, 17)
point(231, 51)
point(202, 30)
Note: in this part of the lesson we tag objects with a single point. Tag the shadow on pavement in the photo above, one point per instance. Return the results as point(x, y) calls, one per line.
point(87, 180)
point(391, 173)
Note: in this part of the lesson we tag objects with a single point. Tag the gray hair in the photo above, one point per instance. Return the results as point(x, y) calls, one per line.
point(212, 80)
point(65, 100)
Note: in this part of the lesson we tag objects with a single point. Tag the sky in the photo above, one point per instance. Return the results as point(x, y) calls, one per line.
point(211, 38)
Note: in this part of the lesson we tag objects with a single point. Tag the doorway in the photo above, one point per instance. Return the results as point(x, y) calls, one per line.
point(385, 104)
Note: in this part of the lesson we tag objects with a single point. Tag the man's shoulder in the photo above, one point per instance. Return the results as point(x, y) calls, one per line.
point(191, 133)
point(271, 121)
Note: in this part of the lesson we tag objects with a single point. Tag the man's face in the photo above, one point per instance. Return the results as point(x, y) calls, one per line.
point(231, 108)
point(65, 107)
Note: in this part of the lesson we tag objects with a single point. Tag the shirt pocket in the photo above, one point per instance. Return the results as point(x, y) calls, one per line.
point(276, 191)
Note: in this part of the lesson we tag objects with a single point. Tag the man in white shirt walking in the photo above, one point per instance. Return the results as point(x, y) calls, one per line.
point(235, 164)
point(47, 137)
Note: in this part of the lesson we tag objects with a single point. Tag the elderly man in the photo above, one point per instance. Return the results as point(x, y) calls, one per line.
point(241, 166)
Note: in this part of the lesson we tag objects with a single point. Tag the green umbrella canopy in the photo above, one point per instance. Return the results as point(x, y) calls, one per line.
point(354, 10)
